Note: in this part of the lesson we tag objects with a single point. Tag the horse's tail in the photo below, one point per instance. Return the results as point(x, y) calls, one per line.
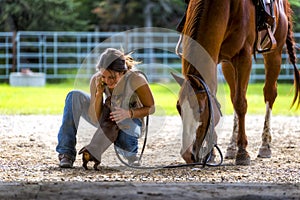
point(290, 45)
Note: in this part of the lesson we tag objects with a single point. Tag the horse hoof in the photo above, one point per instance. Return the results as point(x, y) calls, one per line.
point(96, 166)
point(264, 152)
point(242, 158)
point(84, 165)
point(230, 153)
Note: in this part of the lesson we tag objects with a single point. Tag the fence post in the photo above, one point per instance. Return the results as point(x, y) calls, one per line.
point(14, 53)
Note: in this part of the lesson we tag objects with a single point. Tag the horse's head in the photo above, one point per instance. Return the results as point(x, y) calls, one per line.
point(193, 107)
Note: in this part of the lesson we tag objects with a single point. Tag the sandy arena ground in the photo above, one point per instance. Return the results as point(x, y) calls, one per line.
point(29, 165)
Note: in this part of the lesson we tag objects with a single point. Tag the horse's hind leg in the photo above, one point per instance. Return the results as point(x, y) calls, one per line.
point(229, 75)
point(231, 149)
point(272, 70)
point(265, 149)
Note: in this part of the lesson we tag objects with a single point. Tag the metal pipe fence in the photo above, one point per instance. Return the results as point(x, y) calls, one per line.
point(64, 55)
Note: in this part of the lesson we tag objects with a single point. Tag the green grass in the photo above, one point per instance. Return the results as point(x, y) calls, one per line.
point(50, 99)
point(33, 100)
point(255, 99)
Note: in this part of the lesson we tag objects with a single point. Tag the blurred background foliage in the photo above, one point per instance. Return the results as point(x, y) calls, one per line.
point(96, 15)
point(88, 15)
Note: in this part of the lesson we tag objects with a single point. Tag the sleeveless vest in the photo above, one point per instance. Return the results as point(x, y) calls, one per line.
point(124, 96)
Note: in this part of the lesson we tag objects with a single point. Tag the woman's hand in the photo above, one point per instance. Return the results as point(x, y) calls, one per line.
point(100, 85)
point(120, 114)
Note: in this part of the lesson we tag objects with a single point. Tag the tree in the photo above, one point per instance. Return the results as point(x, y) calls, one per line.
point(36, 15)
point(85, 15)
point(134, 13)
point(295, 4)
point(85, 12)
point(167, 13)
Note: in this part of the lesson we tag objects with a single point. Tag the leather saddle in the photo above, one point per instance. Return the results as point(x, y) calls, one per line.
point(265, 25)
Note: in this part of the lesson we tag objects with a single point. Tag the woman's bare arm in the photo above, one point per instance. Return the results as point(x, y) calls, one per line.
point(145, 95)
point(96, 90)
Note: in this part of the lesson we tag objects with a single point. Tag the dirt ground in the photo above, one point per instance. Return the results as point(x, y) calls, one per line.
point(29, 165)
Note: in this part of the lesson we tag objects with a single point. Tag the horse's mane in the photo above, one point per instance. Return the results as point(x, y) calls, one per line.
point(193, 21)
point(191, 28)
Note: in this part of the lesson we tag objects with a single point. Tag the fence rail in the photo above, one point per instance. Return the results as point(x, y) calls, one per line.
point(74, 54)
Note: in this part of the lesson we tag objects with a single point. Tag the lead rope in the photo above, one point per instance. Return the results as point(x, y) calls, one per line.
point(145, 139)
point(142, 152)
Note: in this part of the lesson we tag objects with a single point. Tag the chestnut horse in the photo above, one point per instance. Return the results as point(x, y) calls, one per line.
point(227, 31)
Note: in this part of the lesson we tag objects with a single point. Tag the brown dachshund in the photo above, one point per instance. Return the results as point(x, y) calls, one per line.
point(86, 157)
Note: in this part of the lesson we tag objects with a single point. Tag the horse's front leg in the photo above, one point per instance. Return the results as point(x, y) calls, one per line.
point(237, 79)
point(240, 106)
point(231, 152)
point(242, 156)
point(265, 149)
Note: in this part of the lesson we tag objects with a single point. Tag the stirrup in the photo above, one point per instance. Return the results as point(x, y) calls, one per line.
point(268, 43)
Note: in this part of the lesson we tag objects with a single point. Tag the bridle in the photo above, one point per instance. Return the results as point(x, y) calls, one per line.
point(211, 123)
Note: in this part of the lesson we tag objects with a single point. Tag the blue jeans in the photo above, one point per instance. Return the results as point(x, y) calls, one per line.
point(76, 106)
point(127, 140)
